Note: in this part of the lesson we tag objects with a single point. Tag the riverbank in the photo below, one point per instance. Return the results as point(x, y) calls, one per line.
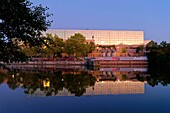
point(97, 62)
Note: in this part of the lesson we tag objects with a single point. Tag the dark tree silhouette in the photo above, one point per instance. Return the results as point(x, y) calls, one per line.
point(20, 22)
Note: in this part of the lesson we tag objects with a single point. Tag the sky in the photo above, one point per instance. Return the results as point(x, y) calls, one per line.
point(151, 16)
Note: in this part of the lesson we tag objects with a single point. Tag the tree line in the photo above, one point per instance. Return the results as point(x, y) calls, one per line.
point(75, 83)
point(158, 54)
point(75, 45)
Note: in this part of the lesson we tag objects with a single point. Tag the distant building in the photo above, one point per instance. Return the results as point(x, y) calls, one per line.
point(104, 37)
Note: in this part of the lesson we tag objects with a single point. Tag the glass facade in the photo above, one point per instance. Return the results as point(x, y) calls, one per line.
point(104, 37)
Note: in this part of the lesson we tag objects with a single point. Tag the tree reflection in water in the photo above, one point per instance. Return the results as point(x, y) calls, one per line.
point(50, 84)
point(77, 82)
point(158, 74)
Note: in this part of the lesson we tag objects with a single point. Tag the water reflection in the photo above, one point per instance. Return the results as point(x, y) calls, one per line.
point(77, 81)
point(128, 87)
point(158, 74)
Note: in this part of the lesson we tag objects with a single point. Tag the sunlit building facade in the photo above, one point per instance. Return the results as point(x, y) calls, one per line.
point(104, 37)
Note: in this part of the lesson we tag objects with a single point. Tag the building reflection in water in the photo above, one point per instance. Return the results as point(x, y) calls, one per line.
point(117, 87)
point(105, 88)
point(108, 81)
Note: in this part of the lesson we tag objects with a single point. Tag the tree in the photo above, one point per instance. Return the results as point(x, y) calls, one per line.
point(158, 74)
point(139, 49)
point(91, 47)
point(124, 77)
point(124, 50)
point(158, 54)
point(30, 51)
point(151, 46)
point(164, 44)
point(55, 45)
point(76, 46)
point(20, 21)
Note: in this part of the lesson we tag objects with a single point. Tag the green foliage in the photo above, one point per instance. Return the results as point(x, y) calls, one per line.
point(124, 77)
point(164, 44)
point(139, 49)
point(91, 47)
point(55, 46)
point(76, 45)
point(151, 46)
point(140, 78)
point(10, 52)
point(158, 54)
point(20, 21)
point(75, 83)
point(124, 50)
point(31, 51)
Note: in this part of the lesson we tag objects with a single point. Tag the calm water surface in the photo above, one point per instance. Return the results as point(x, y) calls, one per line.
point(104, 90)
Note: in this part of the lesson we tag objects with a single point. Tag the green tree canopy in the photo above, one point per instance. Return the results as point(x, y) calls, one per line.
point(158, 53)
point(55, 45)
point(76, 45)
point(91, 47)
point(20, 21)
point(151, 46)
point(124, 50)
point(139, 49)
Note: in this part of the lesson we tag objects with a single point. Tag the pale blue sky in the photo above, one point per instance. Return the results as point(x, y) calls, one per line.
point(151, 16)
